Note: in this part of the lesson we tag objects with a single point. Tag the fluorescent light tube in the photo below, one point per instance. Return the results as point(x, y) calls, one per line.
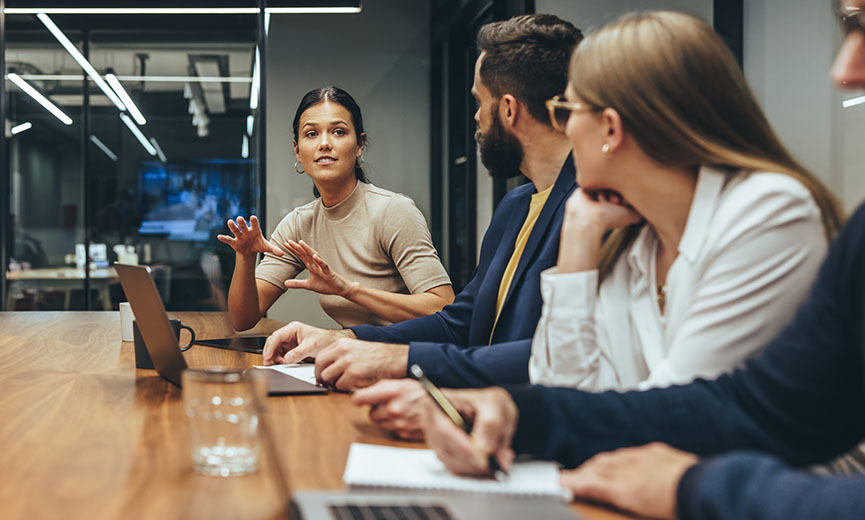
point(88, 68)
point(17, 129)
point(42, 100)
point(853, 102)
point(99, 144)
point(244, 148)
point(158, 79)
point(256, 80)
point(250, 124)
point(131, 10)
point(137, 133)
point(158, 149)
point(124, 96)
point(312, 10)
point(181, 10)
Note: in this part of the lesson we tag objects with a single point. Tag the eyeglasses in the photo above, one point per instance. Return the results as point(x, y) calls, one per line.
point(852, 19)
point(560, 111)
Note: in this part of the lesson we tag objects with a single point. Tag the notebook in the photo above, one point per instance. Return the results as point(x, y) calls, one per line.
point(372, 466)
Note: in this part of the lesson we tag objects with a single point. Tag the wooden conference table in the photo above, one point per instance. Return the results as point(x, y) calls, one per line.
point(85, 434)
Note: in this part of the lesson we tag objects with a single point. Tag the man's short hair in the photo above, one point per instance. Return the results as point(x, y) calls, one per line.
point(527, 57)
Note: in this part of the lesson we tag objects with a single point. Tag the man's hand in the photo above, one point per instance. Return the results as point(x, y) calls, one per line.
point(352, 363)
point(248, 240)
point(493, 416)
point(298, 341)
point(395, 406)
point(643, 480)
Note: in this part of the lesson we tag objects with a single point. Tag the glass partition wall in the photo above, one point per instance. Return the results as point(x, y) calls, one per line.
point(143, 164)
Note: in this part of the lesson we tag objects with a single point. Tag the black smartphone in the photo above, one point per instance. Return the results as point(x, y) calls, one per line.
point(252, 344)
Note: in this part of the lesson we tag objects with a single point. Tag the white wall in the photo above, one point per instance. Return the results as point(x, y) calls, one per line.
point(381, 57)
point(591, 14)
point(788, 48)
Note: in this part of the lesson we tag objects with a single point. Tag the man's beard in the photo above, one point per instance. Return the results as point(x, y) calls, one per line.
point(501, 152)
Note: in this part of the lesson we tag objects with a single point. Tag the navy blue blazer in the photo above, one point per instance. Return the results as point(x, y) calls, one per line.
point(453, 346)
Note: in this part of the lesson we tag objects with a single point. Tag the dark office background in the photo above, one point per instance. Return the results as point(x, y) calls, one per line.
point(60, 188)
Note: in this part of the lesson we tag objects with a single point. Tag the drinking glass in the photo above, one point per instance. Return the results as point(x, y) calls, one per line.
point(224, 407)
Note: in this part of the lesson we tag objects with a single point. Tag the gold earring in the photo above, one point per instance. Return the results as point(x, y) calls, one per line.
point(605, 148)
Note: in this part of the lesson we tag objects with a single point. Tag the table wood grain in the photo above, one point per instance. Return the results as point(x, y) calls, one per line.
point(84, 434)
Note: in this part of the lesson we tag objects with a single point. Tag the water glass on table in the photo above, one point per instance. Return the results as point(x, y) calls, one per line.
point(225, 410)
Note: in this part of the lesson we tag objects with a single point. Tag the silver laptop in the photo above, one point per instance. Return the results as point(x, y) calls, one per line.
point(314, 505)
point(162, 344)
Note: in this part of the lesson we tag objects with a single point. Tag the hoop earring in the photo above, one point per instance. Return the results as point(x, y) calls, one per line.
point(360, 161)
point(298, 170)
point(605, 148)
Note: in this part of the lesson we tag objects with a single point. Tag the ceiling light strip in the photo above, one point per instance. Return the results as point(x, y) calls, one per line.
point(88, 68)
point(256, 81)
point(42, 100)
point(102, 146)
point(159, 151)
point(312, 10)
point(182, 10)
point(17, 129)
point(163, 79)
point(137, 133)
point(184, 79)
point(244, 147)
point(853, 102)
point(131, 10)
point(124, 96)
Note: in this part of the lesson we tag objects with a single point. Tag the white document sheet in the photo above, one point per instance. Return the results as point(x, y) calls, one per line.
point(303, 371)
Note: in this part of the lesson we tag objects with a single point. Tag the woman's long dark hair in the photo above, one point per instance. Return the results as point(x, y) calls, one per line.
point(343, 98)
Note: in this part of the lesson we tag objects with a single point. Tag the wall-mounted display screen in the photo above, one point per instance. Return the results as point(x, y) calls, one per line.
point(190, 199)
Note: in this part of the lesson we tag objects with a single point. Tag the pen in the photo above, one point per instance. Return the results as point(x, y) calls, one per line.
point(452, 413)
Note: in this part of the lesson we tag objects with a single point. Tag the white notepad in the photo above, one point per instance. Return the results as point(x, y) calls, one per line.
point(370, 465)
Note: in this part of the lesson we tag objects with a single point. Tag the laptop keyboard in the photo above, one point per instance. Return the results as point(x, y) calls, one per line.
point(388, 512)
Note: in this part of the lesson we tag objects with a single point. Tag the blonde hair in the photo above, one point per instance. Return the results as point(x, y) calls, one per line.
point(685, 101)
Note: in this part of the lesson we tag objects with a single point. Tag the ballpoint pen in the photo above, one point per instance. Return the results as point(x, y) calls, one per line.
point(439, 398)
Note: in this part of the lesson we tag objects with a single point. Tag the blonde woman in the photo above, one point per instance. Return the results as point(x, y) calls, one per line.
point(715, 231)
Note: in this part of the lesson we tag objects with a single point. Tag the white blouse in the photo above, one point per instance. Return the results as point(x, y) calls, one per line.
point(749, 254)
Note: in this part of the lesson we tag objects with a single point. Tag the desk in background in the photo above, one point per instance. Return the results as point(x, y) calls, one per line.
point(84, 434)
point(63, 278)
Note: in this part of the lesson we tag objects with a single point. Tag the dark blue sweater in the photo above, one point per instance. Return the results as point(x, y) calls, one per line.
point(454, 346)
point(802, 401)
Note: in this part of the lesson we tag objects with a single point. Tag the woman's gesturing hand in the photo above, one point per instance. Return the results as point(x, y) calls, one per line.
point(248, 239)
point(588, 216)
point(321, 278)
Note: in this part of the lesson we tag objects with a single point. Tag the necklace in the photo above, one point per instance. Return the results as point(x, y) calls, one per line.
point(662, 296)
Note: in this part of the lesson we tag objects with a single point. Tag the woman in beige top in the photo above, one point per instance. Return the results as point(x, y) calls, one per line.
point(381, 265)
